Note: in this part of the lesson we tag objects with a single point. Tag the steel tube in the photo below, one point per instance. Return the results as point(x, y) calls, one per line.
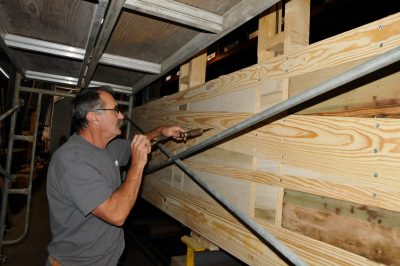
point(32, 166)
point(242, 217)
point(95, 28)
point(9, 112)
point(368, 67)
point(48, 92)
point(101, 35)
point(4, 196)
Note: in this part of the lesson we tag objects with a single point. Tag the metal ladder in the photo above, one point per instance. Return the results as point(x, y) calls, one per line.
point(7, 182)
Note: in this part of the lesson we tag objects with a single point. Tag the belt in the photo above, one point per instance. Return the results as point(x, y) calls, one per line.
point(53, 262)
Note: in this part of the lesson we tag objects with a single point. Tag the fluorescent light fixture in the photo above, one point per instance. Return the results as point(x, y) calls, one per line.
point(4, 73)
point(73, 81)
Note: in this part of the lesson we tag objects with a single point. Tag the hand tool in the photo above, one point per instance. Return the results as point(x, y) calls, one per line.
point(192, 133)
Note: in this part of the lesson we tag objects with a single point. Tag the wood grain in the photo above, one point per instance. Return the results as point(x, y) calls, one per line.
point(370, 232)
point(53, 21)
point(211, 220)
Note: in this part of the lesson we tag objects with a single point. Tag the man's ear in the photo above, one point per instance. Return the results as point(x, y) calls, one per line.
point(92, 118)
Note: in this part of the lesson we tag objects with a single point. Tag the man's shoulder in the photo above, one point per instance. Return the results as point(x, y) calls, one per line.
point(72, 149)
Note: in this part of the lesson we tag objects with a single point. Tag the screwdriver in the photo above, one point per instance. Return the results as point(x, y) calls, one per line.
point(192, 133)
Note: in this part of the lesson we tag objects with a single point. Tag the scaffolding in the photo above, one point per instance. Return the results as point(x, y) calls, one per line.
point(6, 190)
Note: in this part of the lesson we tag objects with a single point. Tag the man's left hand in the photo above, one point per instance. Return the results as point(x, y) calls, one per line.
point(173, 131)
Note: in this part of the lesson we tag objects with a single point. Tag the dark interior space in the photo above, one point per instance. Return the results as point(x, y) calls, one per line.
point(153, 237)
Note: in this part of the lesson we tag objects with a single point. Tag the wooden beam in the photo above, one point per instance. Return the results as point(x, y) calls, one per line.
point(193, 74)
point(297, 25)
point(267, 31)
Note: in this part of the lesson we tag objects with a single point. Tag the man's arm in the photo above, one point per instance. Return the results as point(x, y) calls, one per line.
point(168, 131)
point(116, 209)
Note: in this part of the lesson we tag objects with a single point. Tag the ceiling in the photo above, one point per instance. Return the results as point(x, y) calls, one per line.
point(125, 44)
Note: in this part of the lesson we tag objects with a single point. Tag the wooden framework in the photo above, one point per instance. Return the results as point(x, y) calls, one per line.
point(324, 181)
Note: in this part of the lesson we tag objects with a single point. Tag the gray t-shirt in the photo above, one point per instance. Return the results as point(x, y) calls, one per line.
point(80, 177)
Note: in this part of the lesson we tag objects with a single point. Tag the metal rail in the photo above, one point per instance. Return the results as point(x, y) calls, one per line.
point(9, 112)
point(368, 67)
point(32, 167)
point(98, 18)
point(242, 217)
point(4, 196)
point(93, 54)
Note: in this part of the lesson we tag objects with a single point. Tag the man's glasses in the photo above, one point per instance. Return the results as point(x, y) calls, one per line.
point(116, 109)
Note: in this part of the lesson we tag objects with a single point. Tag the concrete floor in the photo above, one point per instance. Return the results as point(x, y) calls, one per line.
point(32, 249)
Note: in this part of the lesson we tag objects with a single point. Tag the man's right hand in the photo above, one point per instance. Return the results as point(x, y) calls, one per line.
point(140, 148)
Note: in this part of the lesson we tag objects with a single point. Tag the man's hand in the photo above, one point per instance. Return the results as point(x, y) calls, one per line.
point(173, 131)
point(140, 148)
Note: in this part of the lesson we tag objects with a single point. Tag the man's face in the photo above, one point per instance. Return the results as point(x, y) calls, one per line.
point(109, 119)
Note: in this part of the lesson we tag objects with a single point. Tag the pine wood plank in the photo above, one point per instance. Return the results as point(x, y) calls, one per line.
point(212, 221)
point(364, 230)
point(297, 25)
point(230, 102)
point(363, 42)
point(239, 80)
point(375, 92)
point(377, 197)
point(345, 150)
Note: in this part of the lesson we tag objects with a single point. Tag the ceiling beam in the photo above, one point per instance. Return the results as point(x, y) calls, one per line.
point(178, 12)
point(73, 81)
point(57, 49)
point(46, 47)
point(130, 63)
point(88, 68)
point(238, 15)
point(97, 21)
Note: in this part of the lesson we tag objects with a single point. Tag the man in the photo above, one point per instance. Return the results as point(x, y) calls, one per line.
point(87, 202)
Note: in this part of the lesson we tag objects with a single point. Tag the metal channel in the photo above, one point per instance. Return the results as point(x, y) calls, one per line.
point(9, 112)
point(242, 217)
point(91, 41)
point(95, 53)
point(368, 67)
